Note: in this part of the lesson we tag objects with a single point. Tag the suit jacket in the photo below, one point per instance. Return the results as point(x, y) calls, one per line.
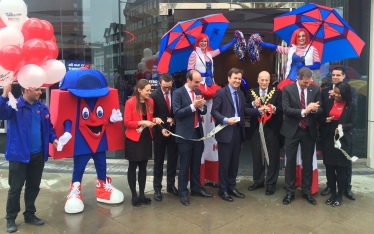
point(292, 110)
point(183, 115)
point(276, 120)
point(325, 94)
point(347, 120)
point(161, 110)
point(131, 118)
point(223, 106)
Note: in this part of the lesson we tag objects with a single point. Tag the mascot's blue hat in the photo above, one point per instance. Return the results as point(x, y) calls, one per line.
point(85, 83)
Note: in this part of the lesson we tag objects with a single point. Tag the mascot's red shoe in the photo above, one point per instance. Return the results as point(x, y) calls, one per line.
point(106, 193)
point(74, 203)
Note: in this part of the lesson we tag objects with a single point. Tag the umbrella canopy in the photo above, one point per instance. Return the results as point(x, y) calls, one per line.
point(350, 73)
point(177, 44)
point(360, 85)
point(331, 35)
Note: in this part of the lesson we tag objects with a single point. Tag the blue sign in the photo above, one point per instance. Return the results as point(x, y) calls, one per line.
point(75, 64)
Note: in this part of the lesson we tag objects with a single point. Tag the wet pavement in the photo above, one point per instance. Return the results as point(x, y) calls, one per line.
point(256, 213)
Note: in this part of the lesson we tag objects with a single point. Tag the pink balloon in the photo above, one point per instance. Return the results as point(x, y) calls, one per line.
point(55, 71)
point(10, 36)
point(31, 76)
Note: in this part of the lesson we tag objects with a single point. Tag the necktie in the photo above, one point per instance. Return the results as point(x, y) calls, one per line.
point(302, 106)
point(262, 96)
point(237, 106)
point(167, 101)
point(195, 122)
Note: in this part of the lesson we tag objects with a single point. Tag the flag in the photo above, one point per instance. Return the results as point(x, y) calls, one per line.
point(299, 171)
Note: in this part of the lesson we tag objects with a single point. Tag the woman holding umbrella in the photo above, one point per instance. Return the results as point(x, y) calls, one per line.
point(300, 54)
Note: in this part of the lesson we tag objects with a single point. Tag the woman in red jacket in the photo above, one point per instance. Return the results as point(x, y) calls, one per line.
point(138, 144)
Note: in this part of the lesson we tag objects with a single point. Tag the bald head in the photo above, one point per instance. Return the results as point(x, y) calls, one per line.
point(263, 80)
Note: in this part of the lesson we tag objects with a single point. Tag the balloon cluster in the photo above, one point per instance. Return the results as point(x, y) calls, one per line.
point(240, 45)
point(254, 47)
point(28, 49)
point(146, 67)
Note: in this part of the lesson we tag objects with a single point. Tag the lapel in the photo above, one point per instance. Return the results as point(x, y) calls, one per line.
point(343, 118)
point(295, 91)
point(309, 95)
point(187, 95)
point(162, 97)
point(229, 96)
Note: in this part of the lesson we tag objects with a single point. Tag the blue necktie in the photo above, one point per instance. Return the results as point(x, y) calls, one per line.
point(237, 107)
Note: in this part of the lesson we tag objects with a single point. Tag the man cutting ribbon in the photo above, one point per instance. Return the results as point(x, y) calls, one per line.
point(265, 129)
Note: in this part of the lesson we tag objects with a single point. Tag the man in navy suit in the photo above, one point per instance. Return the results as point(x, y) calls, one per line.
point(188, 106)
point(338, 75)
point(229, 109)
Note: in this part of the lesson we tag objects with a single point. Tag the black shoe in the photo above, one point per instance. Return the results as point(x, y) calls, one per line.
point(349, 195)
point(145, 201)
point(236, 193)
point(330, 201)
point(255, 186)
point(173, 190)
point(185, 201)
point(32, 219)
point(135, 202)
point(157, 196)
point(225, 196)
point(310, 199)
point(337, 203)
point(270, 190)
point(288, 198)
point(326, 191)
point(201, 193)
point(11, 225)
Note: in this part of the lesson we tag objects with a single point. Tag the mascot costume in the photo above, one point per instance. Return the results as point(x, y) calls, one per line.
point(87, 117)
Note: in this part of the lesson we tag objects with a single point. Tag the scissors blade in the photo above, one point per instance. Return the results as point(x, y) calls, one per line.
point(263, 143)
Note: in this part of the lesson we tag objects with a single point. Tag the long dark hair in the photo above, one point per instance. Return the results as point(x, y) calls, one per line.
point(345, 92)
point(138, 109)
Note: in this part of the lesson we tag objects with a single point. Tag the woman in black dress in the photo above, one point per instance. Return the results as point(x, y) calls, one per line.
point(338, 112)
point(138, 144)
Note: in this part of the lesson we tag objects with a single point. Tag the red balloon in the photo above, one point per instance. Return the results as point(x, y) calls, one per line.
point(138, 75)
point(2, 25)
point(149, 63)
point(36, 51)
point(53, 50)
point(33, 28)
point(48, 30)
point(12, 57)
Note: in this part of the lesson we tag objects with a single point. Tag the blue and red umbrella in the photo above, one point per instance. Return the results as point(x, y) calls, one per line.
point(350, 73)
point(331, 35)
point(177, 44)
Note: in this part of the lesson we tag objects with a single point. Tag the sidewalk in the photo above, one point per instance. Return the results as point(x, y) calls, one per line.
point(256, 213)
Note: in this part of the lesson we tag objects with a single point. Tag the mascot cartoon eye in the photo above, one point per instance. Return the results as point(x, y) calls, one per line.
point(85, 113)
point(99, 112)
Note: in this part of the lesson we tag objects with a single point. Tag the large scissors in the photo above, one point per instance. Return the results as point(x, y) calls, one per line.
point(262, 120)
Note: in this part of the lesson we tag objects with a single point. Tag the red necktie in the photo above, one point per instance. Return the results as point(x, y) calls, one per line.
point(302, 106)
point(167, 101)
point(195, 122)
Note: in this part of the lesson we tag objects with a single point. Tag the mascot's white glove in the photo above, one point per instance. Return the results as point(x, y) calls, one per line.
point(116, 116)
point(63, 140)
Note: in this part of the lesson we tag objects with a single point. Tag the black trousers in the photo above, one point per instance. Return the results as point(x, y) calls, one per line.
point(19, 173)
point(348, 185)
point(162, 143)
point(259, 162)
point(336, 175)
point(190, 153)
point(302, 137)
point(228, 160)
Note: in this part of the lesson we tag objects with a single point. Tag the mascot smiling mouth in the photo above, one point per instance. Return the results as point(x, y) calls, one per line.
point(96, 130)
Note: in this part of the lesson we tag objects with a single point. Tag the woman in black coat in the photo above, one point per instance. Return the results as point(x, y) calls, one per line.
point(338, 111)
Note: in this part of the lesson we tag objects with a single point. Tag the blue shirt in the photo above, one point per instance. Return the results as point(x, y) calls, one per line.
point(36, 144)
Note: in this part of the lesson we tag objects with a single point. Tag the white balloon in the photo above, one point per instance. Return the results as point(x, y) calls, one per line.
point(31, 76)
point(13, 13)
point(6, 77)
point(157, 53)
point(147, 53)
point(10, 36)
point(143, 60)
point(55, 71)
point(140, 66)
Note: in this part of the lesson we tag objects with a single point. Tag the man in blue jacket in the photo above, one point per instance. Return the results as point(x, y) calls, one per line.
point(29, 131)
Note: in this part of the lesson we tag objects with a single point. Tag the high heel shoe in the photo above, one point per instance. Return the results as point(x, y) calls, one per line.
point(145, 201)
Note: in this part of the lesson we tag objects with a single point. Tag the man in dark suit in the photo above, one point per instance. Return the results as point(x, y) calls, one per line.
point(162, 140)
point(274, 79)
point(300, 103)
point(338, 75)
point(188, 106)
point(228, 106)
point(265, 95)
